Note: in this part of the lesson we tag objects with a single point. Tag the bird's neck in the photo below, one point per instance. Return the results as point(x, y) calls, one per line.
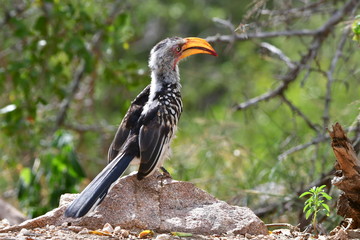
point(163, 79)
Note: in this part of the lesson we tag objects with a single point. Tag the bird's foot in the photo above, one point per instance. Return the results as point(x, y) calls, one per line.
point(165, 172)
point(164, 177)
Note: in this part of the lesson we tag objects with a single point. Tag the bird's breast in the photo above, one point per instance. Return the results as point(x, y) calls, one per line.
point(170, 108)
point(165, 105)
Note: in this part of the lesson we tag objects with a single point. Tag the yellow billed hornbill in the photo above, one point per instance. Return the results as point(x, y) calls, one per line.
point(148, 126)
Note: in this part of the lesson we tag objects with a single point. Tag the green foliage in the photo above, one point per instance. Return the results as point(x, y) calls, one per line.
point(356, 29)
point(56, 171)
point(316, 204)
point(42, 51)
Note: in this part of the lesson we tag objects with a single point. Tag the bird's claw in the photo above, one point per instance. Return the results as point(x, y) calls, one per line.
point(164, 176)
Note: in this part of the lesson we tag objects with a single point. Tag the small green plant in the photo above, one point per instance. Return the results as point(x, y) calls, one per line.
point(316, 203)
point(356, 29)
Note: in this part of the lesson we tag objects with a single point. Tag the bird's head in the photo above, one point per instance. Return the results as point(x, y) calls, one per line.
point(166, 55)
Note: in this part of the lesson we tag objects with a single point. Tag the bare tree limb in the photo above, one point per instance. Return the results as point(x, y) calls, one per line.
point(230, 26)
point(78, 75)
point(225, 23)
point(324, 29)
point(260, 35)
point(299, 113)
point(319, 36)
point(276, 51)
point(287, 79)
point(330, 77)
point(319, 139)
point(309, 7)
point(255, 8)
point(300, 147)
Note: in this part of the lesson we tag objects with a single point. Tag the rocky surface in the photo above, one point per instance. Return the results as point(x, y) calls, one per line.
point(109, 232)
point(163, 205)
point(71, 232)
point(171, 209)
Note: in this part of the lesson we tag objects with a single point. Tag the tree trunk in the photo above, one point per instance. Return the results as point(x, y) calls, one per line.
point(347, 176)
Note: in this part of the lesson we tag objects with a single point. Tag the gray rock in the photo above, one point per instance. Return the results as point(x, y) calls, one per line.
point(167, 206)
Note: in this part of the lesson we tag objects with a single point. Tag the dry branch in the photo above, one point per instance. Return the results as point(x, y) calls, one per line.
point(330, 77)
point(319, 36)
point(347, 176)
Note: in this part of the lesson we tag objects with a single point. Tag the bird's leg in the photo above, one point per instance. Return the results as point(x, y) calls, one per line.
point(165, 173)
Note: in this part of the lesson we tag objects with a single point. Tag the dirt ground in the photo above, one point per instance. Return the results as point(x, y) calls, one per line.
point(74, 232)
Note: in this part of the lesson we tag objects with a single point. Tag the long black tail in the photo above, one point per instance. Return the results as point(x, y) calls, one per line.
point(96, 191)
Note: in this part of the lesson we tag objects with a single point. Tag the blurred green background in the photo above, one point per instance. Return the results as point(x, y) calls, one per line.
point(98, 50)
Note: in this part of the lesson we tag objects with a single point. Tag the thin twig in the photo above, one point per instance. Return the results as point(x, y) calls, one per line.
point(79, 72)
point(299, 113)
point(254, 9)
point(297, 148)
point(330, 77)
point(319, 139)
point(287, 79)
point(310, 7)
point(225, 23)
point(230, 26)
point(276, 51)
point(259, 35)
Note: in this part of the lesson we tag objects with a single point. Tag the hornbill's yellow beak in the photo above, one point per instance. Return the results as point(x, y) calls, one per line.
point(196, 45)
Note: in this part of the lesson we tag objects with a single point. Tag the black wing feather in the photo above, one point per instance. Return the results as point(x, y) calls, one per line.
point(128, 123)
point(151, 142)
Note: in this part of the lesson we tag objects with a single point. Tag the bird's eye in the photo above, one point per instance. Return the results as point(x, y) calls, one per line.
point(178, 49)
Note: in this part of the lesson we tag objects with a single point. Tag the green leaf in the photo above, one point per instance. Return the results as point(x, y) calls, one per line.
point(304, 194)
point(307, 206)
point(326, 207)
point(327, 196)
point(21, 29)
point(308, 213)
point(41, 25)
